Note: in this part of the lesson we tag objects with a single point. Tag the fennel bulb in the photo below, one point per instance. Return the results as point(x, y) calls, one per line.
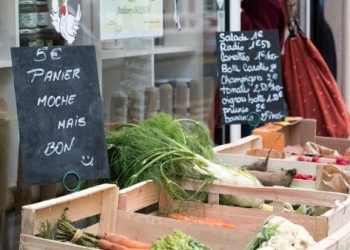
point(165, 150)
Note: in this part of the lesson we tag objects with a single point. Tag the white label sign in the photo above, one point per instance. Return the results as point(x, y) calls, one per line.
point(131, 18)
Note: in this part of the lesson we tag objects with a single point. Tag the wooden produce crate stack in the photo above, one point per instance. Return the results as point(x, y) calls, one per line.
point(117, 212)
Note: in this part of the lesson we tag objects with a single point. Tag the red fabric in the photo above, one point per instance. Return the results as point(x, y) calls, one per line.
point(264, 15)
point(311, 90)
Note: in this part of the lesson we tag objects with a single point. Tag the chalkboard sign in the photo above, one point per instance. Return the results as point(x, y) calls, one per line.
point(251, 89)
point(59, 113)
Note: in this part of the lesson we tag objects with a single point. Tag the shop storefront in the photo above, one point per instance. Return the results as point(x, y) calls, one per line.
point(156, 56)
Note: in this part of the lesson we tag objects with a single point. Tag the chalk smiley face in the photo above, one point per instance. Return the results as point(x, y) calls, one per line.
point(87, 160)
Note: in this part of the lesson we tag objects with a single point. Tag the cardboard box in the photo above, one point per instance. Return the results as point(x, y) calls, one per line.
point(339, 144)
point(279, 135)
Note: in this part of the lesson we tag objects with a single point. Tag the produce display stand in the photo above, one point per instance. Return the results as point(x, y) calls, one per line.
point(234, 154)
point(118, 213)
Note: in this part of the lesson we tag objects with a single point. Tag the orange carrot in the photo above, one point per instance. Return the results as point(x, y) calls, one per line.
point(201, 220)
point(125, 241)
point(107, 245)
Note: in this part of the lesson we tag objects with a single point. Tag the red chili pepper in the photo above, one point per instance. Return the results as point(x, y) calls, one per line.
point(305, 177)
point(341, 161)
point(301, 158)
point(315, 158)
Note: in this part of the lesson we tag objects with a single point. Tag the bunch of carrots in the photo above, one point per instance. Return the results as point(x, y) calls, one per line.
point(111, 241)
point(65, 230)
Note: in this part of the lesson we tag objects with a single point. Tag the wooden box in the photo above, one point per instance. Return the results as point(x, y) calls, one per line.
point(248, 220)
point(277, 136)
point(234, 155)
point(100, 200)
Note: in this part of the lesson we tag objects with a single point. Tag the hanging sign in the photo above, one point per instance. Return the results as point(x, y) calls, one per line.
point(59, 113)
point(251, 89)
point(130, 19)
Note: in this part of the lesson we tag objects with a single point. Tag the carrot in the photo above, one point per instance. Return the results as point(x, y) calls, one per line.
point(125, 241)
point(107, 245)
point(201, 220)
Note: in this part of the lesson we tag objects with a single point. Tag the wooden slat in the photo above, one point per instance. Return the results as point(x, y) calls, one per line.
point(278, 207)
point(339, 240)
point(34, 243)
point(241, 146)
point(138, 196)
point(236, 161)
point(129, 224)
point(164, 204)
point(321, 228)
point(69, 197)
point(109, 207)
point(28, 221)
point(338, 216)
point(304, 184)
point(280, 194)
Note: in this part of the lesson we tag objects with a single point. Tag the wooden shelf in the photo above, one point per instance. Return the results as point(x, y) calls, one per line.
point(121, 53)
point(159, 50)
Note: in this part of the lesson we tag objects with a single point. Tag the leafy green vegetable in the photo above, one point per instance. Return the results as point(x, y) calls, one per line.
point(280, 233)
point(47, 231)
point(265, 233)
point(166, 151)
point(178, 241)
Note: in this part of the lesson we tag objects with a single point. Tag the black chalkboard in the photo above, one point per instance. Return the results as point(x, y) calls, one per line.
point(59, 113)
point(249, 67)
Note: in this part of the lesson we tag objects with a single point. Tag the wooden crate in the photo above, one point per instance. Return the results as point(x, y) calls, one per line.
point(103, 200)
point(248, 220)
point(100, 200)
point(234, 155)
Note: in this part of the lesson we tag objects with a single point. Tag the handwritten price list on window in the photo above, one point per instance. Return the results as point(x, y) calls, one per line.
point(59, 113)
point(251, 89)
